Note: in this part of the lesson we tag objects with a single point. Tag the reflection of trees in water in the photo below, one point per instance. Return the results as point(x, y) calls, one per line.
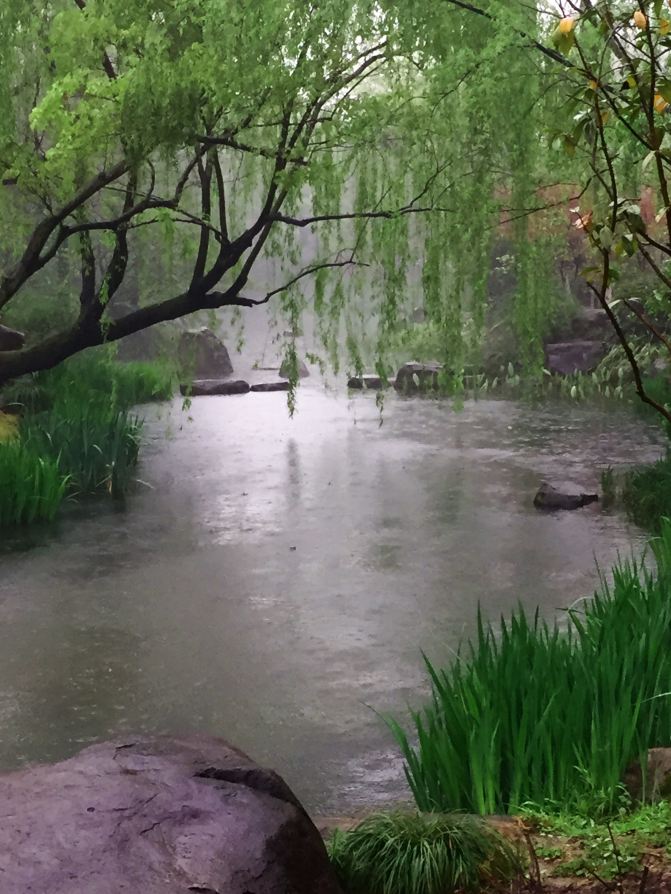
point(80, 685)
point(294, 476)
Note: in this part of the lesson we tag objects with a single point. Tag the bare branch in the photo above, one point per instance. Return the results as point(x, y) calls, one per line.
point(240, 301)
point(358, 215)
point(31, 261)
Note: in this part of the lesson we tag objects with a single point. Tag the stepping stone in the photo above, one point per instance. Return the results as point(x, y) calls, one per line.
point(373, 383)
point(271, 386)
point(212, 387)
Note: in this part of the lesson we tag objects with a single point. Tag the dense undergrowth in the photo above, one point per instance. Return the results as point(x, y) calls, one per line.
point(579, 845)
point(76, 434)
point(550, 714)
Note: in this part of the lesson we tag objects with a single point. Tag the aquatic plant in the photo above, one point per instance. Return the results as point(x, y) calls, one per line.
point(32, 486)
point(94, 375)
point(608, 487)
point(407, 853)
point(96, 445)
point(646, 493)
point(77, 435)
point(532, 712)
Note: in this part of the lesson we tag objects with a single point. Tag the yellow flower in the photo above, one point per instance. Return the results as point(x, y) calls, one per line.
point(566, 25)
point(660, 103)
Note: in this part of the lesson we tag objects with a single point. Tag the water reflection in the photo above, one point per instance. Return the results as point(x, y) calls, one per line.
point(281, 576)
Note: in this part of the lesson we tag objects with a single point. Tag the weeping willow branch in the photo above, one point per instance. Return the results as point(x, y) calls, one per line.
point(546, 51)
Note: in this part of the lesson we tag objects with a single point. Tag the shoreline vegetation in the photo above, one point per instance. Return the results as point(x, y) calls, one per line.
point(70, 432)
point(536, 852)
point(553, 725)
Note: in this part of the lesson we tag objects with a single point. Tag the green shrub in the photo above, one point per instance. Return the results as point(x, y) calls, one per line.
point(32, 486)
point(405, 853)
point(531, 712)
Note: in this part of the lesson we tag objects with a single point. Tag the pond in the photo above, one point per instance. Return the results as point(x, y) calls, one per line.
point(273, 580)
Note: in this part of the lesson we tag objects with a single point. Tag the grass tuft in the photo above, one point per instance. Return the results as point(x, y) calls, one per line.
point(408, 853)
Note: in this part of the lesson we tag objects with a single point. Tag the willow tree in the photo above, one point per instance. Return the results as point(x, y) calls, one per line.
point(391, 131)
point(607, 110)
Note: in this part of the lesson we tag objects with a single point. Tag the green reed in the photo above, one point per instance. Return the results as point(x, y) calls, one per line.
point(32, 486)
point(531, 712)
point(94, 443)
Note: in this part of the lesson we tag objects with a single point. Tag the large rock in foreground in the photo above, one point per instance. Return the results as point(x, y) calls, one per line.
point(203, 355)
point(11, 339)
point(566, 358)
point(158, 816)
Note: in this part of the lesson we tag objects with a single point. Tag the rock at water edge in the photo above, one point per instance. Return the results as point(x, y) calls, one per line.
point(203, 355)
point(158, 816)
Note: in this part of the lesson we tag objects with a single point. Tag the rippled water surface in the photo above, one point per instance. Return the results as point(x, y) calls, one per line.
point(274, 580)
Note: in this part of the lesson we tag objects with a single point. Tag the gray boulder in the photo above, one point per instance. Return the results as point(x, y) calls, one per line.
point(203, 355)
point(158, 816)
point(11, 339)
point(271, 386)
point(416, 377)
point(565, 358)
point(658, 777)
point(587, 324)
point(591, 324)
point(285, 370)
point(214, 387)
point(548, 497)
